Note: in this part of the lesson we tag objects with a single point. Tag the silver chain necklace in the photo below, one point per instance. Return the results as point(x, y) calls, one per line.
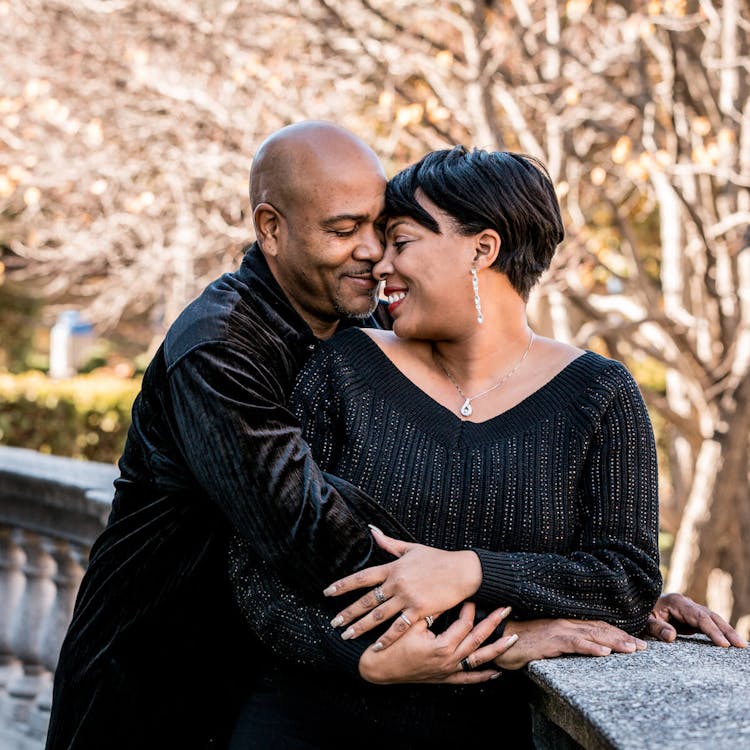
point(466, 409)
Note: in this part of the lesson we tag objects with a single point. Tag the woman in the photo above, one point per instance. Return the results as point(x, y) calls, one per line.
point(527, 464)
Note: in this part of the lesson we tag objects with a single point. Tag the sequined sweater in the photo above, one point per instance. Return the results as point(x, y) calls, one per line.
point(557, 496)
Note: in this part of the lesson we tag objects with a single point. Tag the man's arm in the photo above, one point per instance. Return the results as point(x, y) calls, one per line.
point(246, 451)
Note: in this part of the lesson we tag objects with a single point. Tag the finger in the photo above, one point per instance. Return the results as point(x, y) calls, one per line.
point(401, 624)
point(481, 632)
point(488, 653)
point(660, 629)
point(362, 578)
point(379, 609)
point(729, 632)
point(707, 626)
point(614, 638)
point(468, 678)
point(389, 544)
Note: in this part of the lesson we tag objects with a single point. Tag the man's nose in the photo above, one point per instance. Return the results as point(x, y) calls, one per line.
point(384, 266)
point(370, 246)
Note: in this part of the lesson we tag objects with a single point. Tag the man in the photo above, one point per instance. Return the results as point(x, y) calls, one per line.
point(156, 655)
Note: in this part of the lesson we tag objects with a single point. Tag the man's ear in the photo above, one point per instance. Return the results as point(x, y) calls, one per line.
point(487, 246)
point(267, 221)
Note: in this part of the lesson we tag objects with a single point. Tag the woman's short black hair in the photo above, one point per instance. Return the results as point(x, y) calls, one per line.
point(510, 193)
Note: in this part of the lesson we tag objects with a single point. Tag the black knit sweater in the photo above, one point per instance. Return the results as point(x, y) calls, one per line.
point(557, 495)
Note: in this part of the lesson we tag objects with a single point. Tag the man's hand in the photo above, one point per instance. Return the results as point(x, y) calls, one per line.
point(542, 639)
point(422, 581)
point(422, 656)
point(676, 613)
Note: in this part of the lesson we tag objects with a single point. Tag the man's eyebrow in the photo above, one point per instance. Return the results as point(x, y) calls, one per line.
point(331, 220)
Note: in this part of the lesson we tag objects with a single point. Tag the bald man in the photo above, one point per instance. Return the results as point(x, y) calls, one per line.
point(155, 648)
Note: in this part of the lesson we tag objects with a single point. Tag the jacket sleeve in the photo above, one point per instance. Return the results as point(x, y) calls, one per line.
point(246, 451)
point(614, 574)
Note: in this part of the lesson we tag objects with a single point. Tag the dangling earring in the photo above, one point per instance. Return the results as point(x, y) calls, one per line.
point(477, 301)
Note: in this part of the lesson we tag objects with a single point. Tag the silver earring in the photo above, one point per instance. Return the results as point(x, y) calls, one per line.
point(477, 301)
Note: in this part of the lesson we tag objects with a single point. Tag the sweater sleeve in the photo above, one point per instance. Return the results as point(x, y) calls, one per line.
point(614, 573)
point(293, 625)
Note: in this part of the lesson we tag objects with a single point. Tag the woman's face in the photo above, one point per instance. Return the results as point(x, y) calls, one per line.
point(428, 277)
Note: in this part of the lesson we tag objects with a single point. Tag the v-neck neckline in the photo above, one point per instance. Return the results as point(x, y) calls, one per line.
point(548, 399)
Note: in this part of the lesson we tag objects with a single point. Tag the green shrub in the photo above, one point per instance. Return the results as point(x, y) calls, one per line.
point(82, 417)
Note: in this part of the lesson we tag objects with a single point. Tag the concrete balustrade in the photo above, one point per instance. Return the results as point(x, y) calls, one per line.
point(689, 694)
point(51, 510)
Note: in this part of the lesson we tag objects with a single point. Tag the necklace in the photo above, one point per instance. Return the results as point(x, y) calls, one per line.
point(466, 409)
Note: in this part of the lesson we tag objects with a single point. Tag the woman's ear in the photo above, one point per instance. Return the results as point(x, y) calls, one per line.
point(487, 246)
point(267, 222)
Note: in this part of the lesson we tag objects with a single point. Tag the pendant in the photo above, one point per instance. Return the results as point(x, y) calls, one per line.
point(466, 409)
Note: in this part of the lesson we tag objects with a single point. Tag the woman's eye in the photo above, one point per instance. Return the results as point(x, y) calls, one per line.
point(400, 244)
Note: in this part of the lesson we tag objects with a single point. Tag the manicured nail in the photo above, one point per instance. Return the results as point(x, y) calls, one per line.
point(347, 634)
point(330, 591)
point(374, 528)
point(495, 676)
point(377, 646)
point(338, 620)
point(512, 639)
point(505, 612)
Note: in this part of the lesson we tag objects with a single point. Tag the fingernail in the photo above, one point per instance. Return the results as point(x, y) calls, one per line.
point(505, 612)
point(347, 634)
point(377, 646)
point(374, 528)
point(330, 591)
point(338, 620)
point(495, 676)
point(641, 644)
point(605, 650)
point(512, 639)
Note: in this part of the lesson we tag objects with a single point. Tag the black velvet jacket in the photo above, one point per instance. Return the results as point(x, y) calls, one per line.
point(155, 652)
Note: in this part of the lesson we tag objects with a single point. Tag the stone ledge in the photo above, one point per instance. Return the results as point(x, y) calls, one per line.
point(686, 694)
point(67, 498)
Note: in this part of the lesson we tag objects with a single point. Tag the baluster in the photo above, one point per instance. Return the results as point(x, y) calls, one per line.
point(12, 582)
point(31, 614)
point(69, 560)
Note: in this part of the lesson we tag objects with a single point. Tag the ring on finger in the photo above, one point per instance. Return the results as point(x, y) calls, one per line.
point(429, 620)
point(405, 619)
point(465, 664)
point(380, 597)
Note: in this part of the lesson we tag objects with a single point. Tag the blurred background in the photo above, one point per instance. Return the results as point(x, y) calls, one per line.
point(127, 131)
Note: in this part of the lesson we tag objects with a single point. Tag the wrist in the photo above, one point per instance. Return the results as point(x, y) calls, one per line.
point(472, 572)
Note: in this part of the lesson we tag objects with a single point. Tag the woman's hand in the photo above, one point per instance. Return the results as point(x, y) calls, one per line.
point(422, 581)
point(422, 656)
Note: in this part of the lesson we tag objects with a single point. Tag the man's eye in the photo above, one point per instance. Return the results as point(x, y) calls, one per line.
point(345, 233)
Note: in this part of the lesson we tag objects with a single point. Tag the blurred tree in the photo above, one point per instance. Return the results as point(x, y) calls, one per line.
point(127, 131)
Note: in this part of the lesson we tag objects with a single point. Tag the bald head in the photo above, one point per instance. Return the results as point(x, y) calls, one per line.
point(295, 160)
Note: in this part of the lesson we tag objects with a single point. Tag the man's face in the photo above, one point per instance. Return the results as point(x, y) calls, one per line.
point(329, 242)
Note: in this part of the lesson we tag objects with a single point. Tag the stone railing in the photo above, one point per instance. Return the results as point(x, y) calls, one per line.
point(51, 510)
point(688, 694)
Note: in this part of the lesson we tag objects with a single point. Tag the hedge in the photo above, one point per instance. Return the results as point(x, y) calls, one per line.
point(83, 417)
